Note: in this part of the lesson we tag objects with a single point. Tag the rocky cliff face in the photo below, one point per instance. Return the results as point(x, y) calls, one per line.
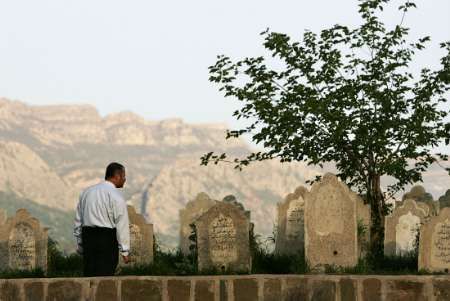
point(48, 154)
point(28, 176)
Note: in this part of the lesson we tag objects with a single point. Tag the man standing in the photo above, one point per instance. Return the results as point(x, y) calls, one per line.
point(101, 224)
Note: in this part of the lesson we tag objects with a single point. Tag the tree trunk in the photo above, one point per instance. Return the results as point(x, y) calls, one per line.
point(377, 203)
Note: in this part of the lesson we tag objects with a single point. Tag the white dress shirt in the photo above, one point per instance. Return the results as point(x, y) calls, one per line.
point(102, 205)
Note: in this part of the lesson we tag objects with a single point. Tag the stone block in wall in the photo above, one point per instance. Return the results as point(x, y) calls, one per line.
point(178, 289)
point(245, 289)
point(134, 289)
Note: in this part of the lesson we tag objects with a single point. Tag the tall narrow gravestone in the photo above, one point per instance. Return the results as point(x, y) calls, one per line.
point(223, 238)
point(434, 245)
point(290, 238)
point(23, 243)
point(193, 210)
point(402, 226)
point(141, 239)
point(330, 224)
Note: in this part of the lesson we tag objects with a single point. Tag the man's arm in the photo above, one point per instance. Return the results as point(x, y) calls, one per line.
point(122, 225)
point(78, 226)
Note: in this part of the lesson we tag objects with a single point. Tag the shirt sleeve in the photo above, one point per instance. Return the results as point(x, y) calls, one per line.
point(122, 225)
point(78, 223)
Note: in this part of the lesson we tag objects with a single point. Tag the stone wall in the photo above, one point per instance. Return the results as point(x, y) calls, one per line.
point(231, 288)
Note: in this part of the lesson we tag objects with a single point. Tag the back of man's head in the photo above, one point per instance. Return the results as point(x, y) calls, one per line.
point(112, 169)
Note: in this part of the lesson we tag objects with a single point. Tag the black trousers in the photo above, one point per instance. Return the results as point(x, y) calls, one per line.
point(100, 251)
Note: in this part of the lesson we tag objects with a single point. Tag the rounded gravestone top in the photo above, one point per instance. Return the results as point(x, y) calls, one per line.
point(231, 199)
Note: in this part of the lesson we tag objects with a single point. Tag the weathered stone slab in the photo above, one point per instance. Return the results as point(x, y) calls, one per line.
point(64, 290)
point(296, 289)
point(330, 224)
point(245, 289)
point(9, 291)
point(193, 210)
point(348, 289)
point(204, 290)
point(434, 246)
point(323, 290)
point(371, 289)
point(34, 291)
point(441, 289)
point(402, 226)
point(179, 290)
point(106, 290)
point(272, 290)
point(403, 290)
point(135, 289)
point(141, 239)
point(23, 243)
point(223, 238)
point(290, 237)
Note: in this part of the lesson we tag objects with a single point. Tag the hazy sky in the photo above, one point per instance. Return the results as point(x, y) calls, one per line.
point(151, 57)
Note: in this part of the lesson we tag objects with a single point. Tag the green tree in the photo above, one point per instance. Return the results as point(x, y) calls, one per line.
point(346, 96)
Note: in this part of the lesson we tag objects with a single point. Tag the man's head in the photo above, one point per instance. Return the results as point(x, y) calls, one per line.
point(115, 173)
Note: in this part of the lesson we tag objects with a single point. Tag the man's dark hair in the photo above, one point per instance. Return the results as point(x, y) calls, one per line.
point(112, 169)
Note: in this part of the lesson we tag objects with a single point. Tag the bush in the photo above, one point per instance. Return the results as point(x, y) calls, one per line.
point(60, 265)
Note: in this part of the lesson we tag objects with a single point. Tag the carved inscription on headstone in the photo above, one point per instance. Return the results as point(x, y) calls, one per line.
point(141, 240)
point(441, 244)
point(22, 248)
point(434, 246)
point(294, 220)
point(23, 243)
point(135, 242)
point(406, 233)
point(222, 240)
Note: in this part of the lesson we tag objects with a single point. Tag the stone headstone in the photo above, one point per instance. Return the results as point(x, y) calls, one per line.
point(290, 238)
point(330, 224)
point(402, 226)
point(23, 243)
point(223, 238)
point(193, 210)
point(141, 239)
point(434, 246)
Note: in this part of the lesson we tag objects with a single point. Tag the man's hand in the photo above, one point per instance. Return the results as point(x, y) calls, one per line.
point(126, 259)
